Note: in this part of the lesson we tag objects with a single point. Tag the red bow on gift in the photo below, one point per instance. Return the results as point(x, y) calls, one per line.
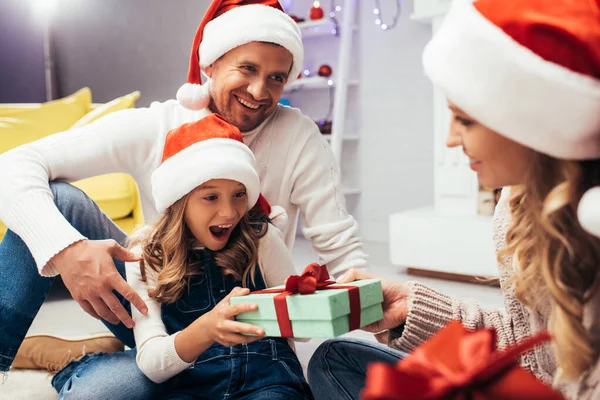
point(459, 364)
point(314, 277)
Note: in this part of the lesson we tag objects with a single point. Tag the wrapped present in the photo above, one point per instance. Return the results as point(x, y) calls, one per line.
point(313, 306)
point(458, 364)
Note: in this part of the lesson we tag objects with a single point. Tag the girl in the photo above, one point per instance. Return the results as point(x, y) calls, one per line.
point(523, 83)
point(210, 240)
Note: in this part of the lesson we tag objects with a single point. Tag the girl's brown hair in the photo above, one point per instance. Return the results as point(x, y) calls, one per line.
point(165, 248)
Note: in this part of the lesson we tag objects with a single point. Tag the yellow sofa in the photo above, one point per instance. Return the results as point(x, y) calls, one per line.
point(115, 194)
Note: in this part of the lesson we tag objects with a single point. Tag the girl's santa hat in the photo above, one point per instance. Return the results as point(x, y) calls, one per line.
point(197, 152)
point(228, 24)
point(529, 70)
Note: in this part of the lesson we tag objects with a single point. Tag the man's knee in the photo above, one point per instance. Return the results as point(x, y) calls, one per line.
point(114, 377)
point(67, 196)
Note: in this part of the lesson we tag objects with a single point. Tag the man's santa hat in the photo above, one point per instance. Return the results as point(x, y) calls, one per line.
point(228, 24)
point(197, 152)
point(529, 70)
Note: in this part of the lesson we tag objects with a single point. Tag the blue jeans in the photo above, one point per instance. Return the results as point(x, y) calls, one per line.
point(117, 377)
point(105, 376)
point(338, 368)
point(23, 289)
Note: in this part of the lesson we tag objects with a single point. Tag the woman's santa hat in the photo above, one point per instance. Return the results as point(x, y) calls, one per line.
point(228, 24)
point(197, 152)
point(529, 70)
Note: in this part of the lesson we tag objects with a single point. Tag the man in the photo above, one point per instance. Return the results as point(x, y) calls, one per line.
point(249, 50)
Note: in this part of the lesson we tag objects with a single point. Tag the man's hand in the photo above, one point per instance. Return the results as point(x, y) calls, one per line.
point(395, 300)
point(88, 271)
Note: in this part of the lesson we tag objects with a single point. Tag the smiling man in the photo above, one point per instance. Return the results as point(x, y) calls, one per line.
point(249, 51)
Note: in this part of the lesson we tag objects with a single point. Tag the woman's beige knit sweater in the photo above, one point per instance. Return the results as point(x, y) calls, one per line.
point(430, 310)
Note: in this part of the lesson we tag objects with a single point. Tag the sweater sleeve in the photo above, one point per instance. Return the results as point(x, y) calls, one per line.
point(430, 310)
point(156, 356)
point(317, 190)
point(120, 142)
point(274, 258)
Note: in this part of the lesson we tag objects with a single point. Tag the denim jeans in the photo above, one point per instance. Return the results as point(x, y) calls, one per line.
point(23, 289)
point(116, 377)
point(338, 368)
point(105, 376)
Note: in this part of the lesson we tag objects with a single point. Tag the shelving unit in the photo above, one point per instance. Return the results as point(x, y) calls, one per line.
point(320, 37)
point(330, 41)
point(315, 82)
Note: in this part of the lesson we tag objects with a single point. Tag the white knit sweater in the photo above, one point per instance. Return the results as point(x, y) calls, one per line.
point(296, 168)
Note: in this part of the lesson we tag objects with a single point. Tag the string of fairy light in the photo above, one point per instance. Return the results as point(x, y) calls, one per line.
point(379, 19)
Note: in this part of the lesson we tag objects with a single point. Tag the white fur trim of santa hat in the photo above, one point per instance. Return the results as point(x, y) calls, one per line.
point(199, 163)
point(252, 23)
point(512, 90)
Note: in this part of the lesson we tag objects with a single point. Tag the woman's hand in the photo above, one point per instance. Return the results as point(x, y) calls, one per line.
point(395, 301)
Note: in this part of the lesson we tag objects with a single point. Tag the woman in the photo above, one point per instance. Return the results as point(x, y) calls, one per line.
point(522, 80)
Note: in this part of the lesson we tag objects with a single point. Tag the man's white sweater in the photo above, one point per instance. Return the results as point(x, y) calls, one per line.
point(296, 167)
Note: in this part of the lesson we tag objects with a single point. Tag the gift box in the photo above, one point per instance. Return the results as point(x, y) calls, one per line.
point(313, 306)
point(459, 364)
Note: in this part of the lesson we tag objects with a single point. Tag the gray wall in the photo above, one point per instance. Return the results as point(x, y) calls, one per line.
point(117, 46)
point(21, 54)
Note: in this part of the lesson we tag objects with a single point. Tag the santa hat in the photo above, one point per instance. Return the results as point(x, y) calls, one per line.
point(529, 70)
point(228, 24)
point(210, 148)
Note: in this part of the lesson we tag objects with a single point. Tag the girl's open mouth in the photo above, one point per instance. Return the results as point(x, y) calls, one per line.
point(220, 232)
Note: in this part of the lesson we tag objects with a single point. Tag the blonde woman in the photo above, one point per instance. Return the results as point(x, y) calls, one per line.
point(210, 241)
point(522, 80)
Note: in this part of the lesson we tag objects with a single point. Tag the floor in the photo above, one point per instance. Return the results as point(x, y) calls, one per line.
point(62, 316)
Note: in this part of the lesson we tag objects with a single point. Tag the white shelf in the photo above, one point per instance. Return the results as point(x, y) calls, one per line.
point(425, 239)
point(348, 138)
point(314, 82)
point(319, 28)
point(349, 191)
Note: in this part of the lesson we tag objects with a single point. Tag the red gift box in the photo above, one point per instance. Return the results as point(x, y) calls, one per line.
point(458, 364)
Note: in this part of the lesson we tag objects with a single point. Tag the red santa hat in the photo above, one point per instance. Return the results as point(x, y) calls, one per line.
point(210, 148)
point(228, 24)
point(529, 70)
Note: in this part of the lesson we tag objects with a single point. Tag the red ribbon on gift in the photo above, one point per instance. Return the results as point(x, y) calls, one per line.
point(314, 277)
point(459, 364)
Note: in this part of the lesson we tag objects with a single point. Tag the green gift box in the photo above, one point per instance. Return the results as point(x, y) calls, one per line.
point(322, 314)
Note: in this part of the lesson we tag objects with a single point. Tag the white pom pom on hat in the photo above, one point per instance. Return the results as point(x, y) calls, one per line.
point(588, 211)
point(194, 96)
point(279, 217)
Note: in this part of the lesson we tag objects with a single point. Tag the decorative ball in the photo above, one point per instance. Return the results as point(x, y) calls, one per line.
point(316, 13)
point(325, 71)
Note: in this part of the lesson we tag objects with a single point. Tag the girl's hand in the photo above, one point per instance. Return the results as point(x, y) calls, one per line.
point(220, 324)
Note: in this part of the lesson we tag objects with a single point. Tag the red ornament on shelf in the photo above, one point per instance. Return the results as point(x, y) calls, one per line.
point(316, 12)
point(325, 71)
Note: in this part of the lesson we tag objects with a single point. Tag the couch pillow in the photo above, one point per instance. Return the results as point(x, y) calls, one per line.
point(35, 123)
point(120, 103)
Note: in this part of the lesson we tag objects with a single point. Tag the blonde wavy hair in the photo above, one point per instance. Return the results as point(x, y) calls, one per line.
point(166, 246)
point(553, 255)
